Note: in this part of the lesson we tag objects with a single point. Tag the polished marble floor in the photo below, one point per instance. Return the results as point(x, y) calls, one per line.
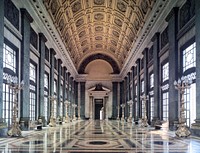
point(99, 137)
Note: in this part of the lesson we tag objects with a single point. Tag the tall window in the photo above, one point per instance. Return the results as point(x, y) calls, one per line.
point(151, 81)
point(32, 76)
point(55, 102)
point(9, 75)
point(165, 72)
point(151, 94)
point(165, 92)
point(165, 100)
point(142, 85)
point(46, 93)
point(189, 65)
point(189, 57)
point(61, 108)
point(152, 107)
point(9, 58)
point(136, 103)
point(61, 100)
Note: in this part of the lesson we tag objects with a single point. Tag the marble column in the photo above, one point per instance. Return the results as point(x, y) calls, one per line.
point(68, 93)
point(196, 126)
point(79, 101)
point(52, 55)
point(129, 87)
point(156, 49)
point(26, 20)
point(76, 96)
point(146, 83)
point(115, 99)
point(1, 53)
point(126, 97)
point(133, 92)
point(82, 102)
point(139, 106)
point(172, 20)
point(59, 85)
point(118, 100)
point(106, 107)
point(91, 107)
point(121, 95)
point(64, 88)
point(42, 40)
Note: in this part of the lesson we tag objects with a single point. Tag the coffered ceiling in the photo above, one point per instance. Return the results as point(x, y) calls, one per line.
point(99, 29)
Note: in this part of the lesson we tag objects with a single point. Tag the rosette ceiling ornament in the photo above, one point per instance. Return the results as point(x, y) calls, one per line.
point(99, 29)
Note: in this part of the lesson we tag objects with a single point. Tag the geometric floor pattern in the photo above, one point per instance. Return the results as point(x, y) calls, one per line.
point(99, 137)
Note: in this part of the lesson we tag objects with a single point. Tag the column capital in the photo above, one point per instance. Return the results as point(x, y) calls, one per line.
point(145, 51)
point(24, 12)
point(59, 61)
point(52, 51)
point(155, 36)
point(42, 37)
point(172, 13)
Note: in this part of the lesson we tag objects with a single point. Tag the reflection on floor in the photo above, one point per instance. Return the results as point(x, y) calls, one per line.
point(100, 137)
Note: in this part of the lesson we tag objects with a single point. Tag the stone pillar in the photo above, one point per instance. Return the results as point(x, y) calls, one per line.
point(64, 89)
point(106, 107)
point(139, 106)
point(133, 92)
point(79, 101)
point(1, 53)
point(172, 20)
point(129, 88)
point(68, 93)
point(156, 49)
point(115, 99)
point(121, 95)
point(26, 20)
point(59, 84)
point(91, 107)
point(76, 96)
point(52, 55)
point(126, 97)
point(118, 101)
point(42, 40)
point(196, 126)
point(82, 102)
point(146, 83)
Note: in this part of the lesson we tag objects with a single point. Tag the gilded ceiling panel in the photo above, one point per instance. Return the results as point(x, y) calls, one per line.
point(110, 27)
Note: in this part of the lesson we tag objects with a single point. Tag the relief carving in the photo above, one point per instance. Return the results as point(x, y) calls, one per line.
point(54, 7)
point(99, 2)
point(79, 22)
point(144, 6)
point(98, 38)
point(99, 28)
point(121, 6)
point(118, 22)
point(84, 42)
point(81, 34)
point(99, 16)
point(76, 7)
point(112, 49)
point(61, 24)
point(114, 42)
point(99, 46)
point(115, 33)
